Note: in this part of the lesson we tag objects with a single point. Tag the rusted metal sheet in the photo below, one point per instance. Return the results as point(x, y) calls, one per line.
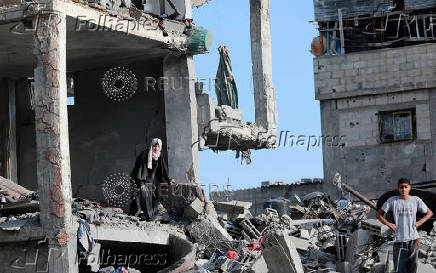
point(327, 10)
point(420, 4)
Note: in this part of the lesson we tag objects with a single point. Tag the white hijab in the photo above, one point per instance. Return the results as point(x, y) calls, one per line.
point(152, 154)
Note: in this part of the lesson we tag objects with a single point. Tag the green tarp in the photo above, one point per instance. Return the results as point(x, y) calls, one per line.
point(225, 85)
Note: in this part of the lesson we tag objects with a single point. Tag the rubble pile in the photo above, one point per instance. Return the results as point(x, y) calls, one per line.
point(316, 234)
point(15, 199)
point(427, 243)
point(93, 213)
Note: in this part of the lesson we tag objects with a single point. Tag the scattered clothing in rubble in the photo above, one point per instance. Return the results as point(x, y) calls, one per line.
point(85, 242)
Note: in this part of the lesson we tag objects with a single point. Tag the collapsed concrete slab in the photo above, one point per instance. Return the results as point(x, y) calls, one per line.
point(280, 253)
point(259, 266)
point(357, 245)
point(221, 128)
point(13, 189)
point(199, 3)
point(208, 231)
point(234, 209)
point(425, 268)
point(194, 210)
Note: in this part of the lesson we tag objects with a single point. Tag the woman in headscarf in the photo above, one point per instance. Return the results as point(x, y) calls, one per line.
point(149, 173)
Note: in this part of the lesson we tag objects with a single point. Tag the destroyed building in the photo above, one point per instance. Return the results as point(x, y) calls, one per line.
point(85, 85)
point(260, 195)
point(374, 77)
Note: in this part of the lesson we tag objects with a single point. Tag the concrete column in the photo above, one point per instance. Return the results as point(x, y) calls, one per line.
point(11, 153)
point(52, 143)
point(264, 93)
point(181, 118)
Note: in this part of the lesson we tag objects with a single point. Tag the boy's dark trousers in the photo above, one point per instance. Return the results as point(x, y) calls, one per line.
point(406, 257)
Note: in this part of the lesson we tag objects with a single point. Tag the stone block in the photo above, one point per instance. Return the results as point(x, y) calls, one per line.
point(194, 210)
point(333, 67)
point(338, 74)
point(323, 76)
point(425, 268)
point(280, 253)
point(208, 231)
point(333, 82)
point(231, 113)
point(351, 72)
point(300, 243)
point(259, 266)
point(374, 226)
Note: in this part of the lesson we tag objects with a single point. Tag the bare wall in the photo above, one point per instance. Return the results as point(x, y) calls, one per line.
point(106, 136)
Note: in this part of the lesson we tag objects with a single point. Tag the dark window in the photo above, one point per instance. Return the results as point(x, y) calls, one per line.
point(397, 125)
point(399, 4)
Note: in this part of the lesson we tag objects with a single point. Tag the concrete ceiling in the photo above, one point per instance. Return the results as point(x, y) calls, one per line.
point(85, 50)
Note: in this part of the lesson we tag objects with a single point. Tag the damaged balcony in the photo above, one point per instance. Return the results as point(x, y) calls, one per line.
point(75, 113)
point(221, 127)
point(95, 38)
point(51, 50)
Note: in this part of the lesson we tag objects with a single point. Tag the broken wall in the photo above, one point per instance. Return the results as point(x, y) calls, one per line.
point(354, 89)
point(105, 136)
point(258, 196)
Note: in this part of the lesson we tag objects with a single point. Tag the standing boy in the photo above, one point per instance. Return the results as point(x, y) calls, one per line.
point(404, 208)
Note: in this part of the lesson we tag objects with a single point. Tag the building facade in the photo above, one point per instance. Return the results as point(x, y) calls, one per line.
point(374, 74)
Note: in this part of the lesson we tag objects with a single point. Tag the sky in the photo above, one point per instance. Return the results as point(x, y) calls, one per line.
point(298, 111)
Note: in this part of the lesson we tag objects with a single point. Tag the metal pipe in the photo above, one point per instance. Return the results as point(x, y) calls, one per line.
point(337, 180)
point(360, 196)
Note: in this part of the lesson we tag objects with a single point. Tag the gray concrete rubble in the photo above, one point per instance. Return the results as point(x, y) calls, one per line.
point(234, 209)
point(281, 254)
point(324, 236)
point(75, 215)
point(221, 128)
point(330, 236)
point(199, 3)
